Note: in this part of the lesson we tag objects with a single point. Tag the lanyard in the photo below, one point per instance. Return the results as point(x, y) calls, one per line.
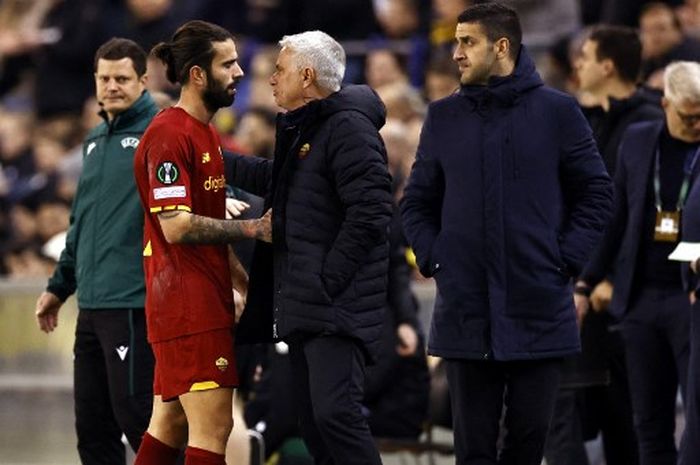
point(687, 170)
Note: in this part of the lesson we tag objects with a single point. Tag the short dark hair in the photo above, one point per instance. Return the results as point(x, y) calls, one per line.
point(498, 21)
point(117, 48)
point(191, 45)
point(622, 46)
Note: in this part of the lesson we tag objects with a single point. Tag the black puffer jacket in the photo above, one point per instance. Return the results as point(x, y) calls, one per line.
point(329, 189)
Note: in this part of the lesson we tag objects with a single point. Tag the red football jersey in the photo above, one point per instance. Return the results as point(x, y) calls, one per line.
point(178, 166)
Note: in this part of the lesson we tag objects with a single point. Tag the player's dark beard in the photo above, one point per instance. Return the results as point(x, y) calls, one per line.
point(216, 96)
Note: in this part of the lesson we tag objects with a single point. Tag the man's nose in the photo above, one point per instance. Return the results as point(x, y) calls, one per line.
point(238, 72)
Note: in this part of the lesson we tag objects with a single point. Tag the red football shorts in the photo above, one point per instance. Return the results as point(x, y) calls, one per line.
point(197, 362)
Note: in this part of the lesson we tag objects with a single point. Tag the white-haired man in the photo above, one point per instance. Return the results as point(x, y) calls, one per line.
point(657, 166)
point(326, 270)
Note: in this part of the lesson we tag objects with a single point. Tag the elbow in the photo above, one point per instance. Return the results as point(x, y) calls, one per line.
point(175, 229)
point(172, 236)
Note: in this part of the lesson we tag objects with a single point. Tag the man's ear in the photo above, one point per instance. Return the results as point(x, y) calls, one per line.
point(502, 48)
point(198, 76)
point(608, 67)
point(308, 76)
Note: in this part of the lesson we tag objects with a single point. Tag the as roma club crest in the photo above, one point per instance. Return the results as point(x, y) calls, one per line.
point(167, 173)
point(304, 151)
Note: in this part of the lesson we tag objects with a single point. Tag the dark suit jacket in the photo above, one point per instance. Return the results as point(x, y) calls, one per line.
point(620, 246)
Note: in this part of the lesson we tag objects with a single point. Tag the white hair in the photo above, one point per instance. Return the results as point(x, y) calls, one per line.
point(318, 50)
point(682, 82)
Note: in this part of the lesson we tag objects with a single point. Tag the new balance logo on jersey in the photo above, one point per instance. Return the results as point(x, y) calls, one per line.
point(121, 351)
point(130, 142)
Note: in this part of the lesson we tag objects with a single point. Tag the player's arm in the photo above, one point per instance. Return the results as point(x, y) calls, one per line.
point(182, 227)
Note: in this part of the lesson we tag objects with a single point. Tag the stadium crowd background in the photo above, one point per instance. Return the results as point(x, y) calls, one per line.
point(402, 48)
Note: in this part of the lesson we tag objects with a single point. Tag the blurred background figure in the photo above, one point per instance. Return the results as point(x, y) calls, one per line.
point(663, 41)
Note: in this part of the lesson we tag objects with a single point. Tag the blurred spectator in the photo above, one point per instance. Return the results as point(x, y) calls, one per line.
point(341, 19)
point(52, 218)
point(544, 21)
point(441, 78)
point(398, 19)
point(257, 80)
point(622, 12)
point(264, 20)
point(402, 102)
point(24, 226)
point(663, 41)
point(607, 70)
point(689, 16)
point(62, 85)
point(16, 157)
point(400, 151)
point(26, 261)
point(255, 132)
point(20, 34)
point(382, 66)
point(21, 253)
point(442, 29)
point(146, 22)
point(561, 57)
point(407, 21)
point(157, 80)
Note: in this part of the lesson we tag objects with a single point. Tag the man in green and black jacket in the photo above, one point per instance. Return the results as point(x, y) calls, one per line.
point(113, 368)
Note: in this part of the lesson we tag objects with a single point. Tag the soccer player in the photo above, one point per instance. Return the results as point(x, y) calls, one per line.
point(189, 303)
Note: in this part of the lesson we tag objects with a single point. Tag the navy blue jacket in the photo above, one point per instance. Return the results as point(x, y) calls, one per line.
point(330, 193)
point(506, 199)
point(619, 248)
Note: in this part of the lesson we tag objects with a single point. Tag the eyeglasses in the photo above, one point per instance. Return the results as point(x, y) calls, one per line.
point(688, 119)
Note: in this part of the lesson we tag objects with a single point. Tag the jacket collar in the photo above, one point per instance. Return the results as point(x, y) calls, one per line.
point(134, 112)
point(506, 90)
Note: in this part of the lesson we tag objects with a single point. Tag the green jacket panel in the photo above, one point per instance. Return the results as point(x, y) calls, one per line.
point(103, 256)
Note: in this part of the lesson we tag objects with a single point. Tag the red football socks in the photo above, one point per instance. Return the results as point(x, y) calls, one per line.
point(196, 456)
point(154, 452)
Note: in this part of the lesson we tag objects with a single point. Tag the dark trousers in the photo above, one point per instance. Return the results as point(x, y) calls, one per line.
point(690, 448)
point(479, 391)
point(581, 413)
point(113, 383)
point(656, 334)
point(565, 439)
point(327, 380)
point(612, 408)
